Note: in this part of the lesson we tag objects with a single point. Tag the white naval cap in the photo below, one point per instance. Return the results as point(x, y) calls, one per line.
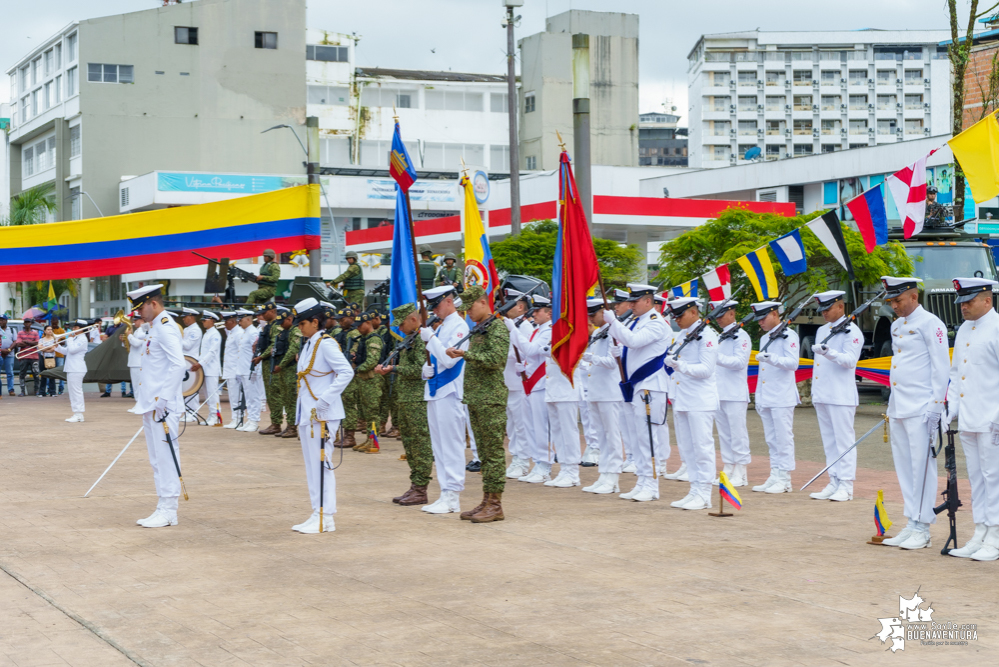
point(190, 311)
point(761, 308)
point(659, 298)
point(682, 303)
point(593, 304)
point(729, 304)
point(825, 300)
point(967, 288)
point(895, 286)
point(437, 294)
point(307, 309)
point(541, 301)
point(638, 290)
point(139, 296)
point(620, 295)
point(242, 312)
point(511, 293)
point(209, 315)
point(226, 314)
point(81, 323)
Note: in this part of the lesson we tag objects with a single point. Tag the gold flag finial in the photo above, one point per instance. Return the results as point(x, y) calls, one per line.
point(464, 168)
point(560, 142)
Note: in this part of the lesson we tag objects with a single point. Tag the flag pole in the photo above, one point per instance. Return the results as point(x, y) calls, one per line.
point(412, 243)
point(721, 505)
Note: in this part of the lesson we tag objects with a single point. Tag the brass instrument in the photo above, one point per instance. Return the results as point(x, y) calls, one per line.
point(123, 336)
point(118, 319)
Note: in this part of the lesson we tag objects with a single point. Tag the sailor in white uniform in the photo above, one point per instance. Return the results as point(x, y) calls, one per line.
point(208, 361)
point(562, 399)
point(323, 374)
point(443, 392)
point(535, 348)
point(834, 392)
point(247, 372)
point(622, 308)
point(971, 399)
point(604, 401)
point(734, 348)
point(191, 348)
point(230, 365)
point(160, 401)
point(644, 343)
point(516, 420)
point(136, 346)
point(777, 395)
point(74, 348)
point(919, 370)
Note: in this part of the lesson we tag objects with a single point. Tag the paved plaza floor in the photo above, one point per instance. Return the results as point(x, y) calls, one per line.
point(568, 578)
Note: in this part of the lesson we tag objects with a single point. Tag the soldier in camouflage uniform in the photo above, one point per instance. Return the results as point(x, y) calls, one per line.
point(284, 376)
point(485, 396)
point(386, 407)
point(269, 329)
point(270, 274)
point(936, 213)
point(352, 279)
point(367, 354)
point(428, 270)
point(411, 408)
point(346, 337)
point(450, 274)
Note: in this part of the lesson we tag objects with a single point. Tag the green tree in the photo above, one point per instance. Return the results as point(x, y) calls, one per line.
point(532, 253)
point(737, 231)
point(29, 208)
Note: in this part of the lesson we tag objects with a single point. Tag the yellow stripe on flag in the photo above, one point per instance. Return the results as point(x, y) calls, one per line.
point(977, 150)
point(760, 271)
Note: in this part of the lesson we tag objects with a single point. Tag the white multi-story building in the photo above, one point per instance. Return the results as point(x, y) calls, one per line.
point(792, 94)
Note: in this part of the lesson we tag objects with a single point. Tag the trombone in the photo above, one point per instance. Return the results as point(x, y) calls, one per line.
point(119, 318)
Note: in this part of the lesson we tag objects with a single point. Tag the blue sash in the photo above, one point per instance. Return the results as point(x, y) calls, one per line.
point(643, 372)
point(441, 379)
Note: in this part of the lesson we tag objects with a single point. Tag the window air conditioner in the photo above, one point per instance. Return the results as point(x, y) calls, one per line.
point(815, 107)
point(898, 81)
point(759, 82)
point(787, 107)
point(731, 107)
point(842, 80)
point(870, 130)
point(898, 105)
point(815, 82)
point(926, 131)
point(842, 107)
point(926, 106)
point(842, 130)
point(870, 107)
point(871, 81)
point(926, 81)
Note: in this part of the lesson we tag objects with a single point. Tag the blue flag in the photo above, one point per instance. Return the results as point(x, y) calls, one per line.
point(402, 279)
point(790, 252)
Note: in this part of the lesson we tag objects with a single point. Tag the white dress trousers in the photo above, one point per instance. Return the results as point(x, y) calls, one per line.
point(982, 458)
point(836, 427)
point(309, 434)
point(517, 423)
point(446, 418)
point(733, 438)
point(778, 430)
point(606, 418)
point(564, 419)
point(248, 385)
point(635, 413)
point(164, 471)
point(696, 442)
point(537, 428)
point(916, 469)
point(74, 387)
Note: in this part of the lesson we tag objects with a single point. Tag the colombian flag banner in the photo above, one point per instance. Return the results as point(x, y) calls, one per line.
point(480, 269)
point(283, 220)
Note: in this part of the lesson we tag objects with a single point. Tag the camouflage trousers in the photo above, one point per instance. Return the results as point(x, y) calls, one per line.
point(285, 396)
point(260, 295)
point(415, 431)
point(369, 396)
point(387, 405)
point(271, 392)
point(354, 296)
point(349, 398)
point(489, 427)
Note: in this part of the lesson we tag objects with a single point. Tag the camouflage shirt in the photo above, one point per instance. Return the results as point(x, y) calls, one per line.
point(272, 334)
point(409, 384)
point(485, 360)
point(270, 273)
point(373, 344)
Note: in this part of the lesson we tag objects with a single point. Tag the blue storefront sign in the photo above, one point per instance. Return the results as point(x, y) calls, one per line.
point(224, 183)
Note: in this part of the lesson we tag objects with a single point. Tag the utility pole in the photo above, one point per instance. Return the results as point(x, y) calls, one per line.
point(513, 107)
point(581, 120)
point(312, 169)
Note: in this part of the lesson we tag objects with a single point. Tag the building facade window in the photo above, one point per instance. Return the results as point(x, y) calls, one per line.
point(36, 65)
point(74, 203)
point(74, 141)
point(331, 95)
point(24, 109)
point(529, 102)
point(71, 48)
point(49, 60)
point(28, 161)
point(185, 35)
point(58, 56)
point(104, 73)
point(71, 76)
point(531, 162)
point(48, 96)
point(327, 54)
point(57, 89)
point(265, 40)
point(35, 101)
point(498, 102)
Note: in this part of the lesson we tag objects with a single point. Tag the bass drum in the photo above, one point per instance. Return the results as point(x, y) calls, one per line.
point(193, 379)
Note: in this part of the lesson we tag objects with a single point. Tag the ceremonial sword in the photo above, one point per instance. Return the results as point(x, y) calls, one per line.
point(862, 438)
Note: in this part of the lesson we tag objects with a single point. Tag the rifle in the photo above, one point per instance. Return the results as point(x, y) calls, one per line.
point(406, 343)
point(844, 326)
point(734, 331)
point(779, 330)
point(695, 333)
point(951, 500)
point(234, 271)
point(482, 326)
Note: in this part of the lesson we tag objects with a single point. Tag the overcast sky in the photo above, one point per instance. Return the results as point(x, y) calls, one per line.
point(465, 35)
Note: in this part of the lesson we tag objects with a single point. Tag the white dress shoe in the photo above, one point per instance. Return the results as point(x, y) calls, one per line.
point(143, 521)
point(314, 515)
point(728, 468)
point(774, 473)
point(644, 495)
point(782, 484)
point(972, 545)
point(542, 472)
point(683, 501)
point(990, 546)
point(606, 483)
point(825, 493)
point(564, 480)
point(518, 468)
point(233, 424)
point(131, 409)
point(696, 502)
point(844, 491)
point(249, 427)
point(311, 527)
point(672, 475)
point(682, 475)
point(161, 519)
point(739, 475)
point(919, 539)
point(591, 457)
point(629, 466)
point(900, 538)
point(631, 494)
point(75, 419)
point(446, 504)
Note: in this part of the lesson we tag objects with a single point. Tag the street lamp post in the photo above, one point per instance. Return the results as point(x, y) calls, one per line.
point(513, 109)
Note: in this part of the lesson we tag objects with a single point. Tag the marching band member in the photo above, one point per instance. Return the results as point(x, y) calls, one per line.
point(776, 396)
point(191, 346)
point(230, 364)
point(161, 401)
point(974, 385)
point(834, 393)
point(695, 401)
point(516, 403)
point(208, 362)
point(919, 370)
point(645, 341)
point(734, 347)
point(534, 350)
point(323, 373)
point(136, 341)
point(247, 371)
point(603, 397)
point(443, 393)
point(74, 348)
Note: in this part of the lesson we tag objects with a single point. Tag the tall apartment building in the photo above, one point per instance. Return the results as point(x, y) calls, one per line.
point(546, 89)
point(660, 141)
point(183, 87)
point(801, 93)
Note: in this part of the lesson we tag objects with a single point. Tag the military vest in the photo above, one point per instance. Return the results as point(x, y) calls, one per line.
point(428, 271)
point(281, 345)
point(355, 282)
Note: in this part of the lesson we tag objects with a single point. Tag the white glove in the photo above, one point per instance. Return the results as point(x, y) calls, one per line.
point(609, 316)
point(160, 408)
point(995, 433)
point(428, 371)
point(948, 416)
point(588, 357)
point(763, 356)
point(145, 327)
point(510, 326)
point(520, 367)
point(820, 349)
point(426, 333)
point(322, 408)
point(615, 350)
point(670, 361)
point(932, 421)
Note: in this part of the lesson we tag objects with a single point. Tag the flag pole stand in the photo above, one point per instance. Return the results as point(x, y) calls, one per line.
point(878, 540)
point(721, 505)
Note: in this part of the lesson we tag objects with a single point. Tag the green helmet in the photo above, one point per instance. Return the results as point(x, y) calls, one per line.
point(449, 255)
point(351, 253)
point(424, 249)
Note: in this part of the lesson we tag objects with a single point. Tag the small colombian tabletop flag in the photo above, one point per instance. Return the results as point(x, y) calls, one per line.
point(881, 520)
point(728, 491)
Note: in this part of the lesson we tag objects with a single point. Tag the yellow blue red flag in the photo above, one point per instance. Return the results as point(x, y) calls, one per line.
point(728, 491)
point(480, 269)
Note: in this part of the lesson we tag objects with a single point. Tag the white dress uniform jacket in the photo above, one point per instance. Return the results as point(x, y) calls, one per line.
point(246, 341)
point(776, 387)
point(693, 377)
point(75, 349)
point(231, 365)
point(451, 331)
point(603, 375)
point(974, 380)
point(163, 366)
point(833, 374)
point(920, 365)
point(136, 347)
point(536, 344)
point(329, 375)
point(192, 340)
point(732, 366)
point(208, 355)
point(646, 338)
point(511, 377)
point(558, 389)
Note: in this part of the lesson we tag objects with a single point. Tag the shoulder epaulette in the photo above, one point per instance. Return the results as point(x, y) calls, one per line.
point(164, 319)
